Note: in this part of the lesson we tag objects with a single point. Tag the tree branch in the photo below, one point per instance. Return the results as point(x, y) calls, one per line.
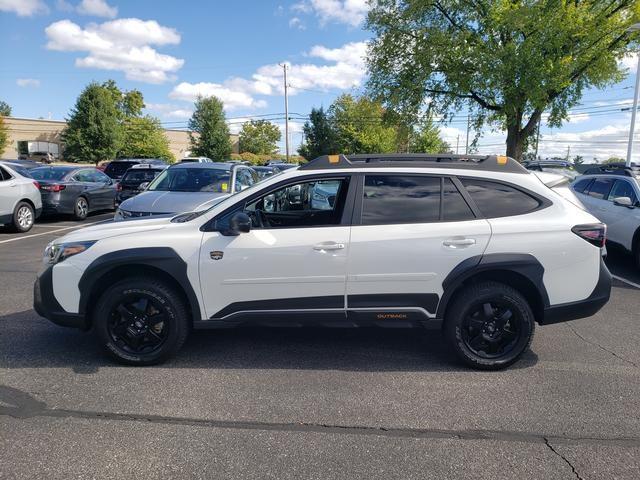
point(471, 95)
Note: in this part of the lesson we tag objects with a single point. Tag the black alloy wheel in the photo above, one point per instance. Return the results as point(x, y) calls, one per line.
point(138, 324)
point(489, 325)
point(491, 329)
point(141, 321)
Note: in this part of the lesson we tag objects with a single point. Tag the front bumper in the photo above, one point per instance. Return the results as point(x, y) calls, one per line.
point(583, 308)
point(46, 305)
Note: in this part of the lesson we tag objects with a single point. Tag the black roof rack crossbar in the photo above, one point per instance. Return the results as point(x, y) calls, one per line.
point(496, 163)
point(612, 169)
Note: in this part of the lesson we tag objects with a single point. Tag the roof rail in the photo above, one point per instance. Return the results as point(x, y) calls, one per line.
point(611, 169)
point(495, 163)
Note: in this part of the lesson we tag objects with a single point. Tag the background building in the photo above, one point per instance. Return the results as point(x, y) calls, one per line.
point(32, 138)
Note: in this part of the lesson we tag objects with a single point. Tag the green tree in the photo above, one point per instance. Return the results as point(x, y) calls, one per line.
point(4, 135)
point(259, 137)
point(209, 131)
point(93, 131)
point(143, 137)
point(614, 160)
point(426, 139)
point(578, 160)
point(319, 135)
point(5, 109)
point(506, 60)
point(129, 103)
point(360, 126)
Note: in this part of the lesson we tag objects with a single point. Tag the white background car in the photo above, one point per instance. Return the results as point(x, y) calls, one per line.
point(613, 198)
point(20, 200)
point(477, 243)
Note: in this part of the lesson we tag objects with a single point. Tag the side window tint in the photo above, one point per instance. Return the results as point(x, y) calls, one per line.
point(308, 204)
point(498, 200)
point(454, 207)
point(600, 188)
point(398, 199)
point(581, 185)
point(4, 175)
point(622, 189)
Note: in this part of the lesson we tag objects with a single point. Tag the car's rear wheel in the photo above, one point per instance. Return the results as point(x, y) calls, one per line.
point(81, 208)
point(23, 217)
point(490, 325)
point(141, 321)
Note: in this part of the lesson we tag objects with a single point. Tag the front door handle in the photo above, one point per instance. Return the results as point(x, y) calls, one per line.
point(325, 246)
point(459, 242)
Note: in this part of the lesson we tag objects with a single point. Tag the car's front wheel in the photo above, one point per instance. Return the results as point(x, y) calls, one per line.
point(23, 217)
point(141, 321)
point(489, 325)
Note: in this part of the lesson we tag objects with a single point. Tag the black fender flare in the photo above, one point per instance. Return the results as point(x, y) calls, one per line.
point(523, 264)
point(161, 258)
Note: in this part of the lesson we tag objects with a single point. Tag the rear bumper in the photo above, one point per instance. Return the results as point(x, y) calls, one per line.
point(46, 305)
point(583, 308)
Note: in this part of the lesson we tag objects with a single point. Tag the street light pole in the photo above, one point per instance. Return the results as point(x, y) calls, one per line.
point(635, 103)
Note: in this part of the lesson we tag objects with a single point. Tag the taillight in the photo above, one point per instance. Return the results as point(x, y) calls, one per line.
point(594, 233)
point(118, 187)
point(36, 184)
point(53, 188)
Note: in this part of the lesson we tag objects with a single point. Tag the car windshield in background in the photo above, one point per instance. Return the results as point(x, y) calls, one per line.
point(50, 173)
point(136, 177)
point(192, 180)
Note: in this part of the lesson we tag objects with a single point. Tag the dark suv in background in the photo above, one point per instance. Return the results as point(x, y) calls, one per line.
point(137, 176)
point(117, 168)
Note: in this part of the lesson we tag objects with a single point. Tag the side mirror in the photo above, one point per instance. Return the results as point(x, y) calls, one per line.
point(143, 186)
point(239, 223)
point(623, 202)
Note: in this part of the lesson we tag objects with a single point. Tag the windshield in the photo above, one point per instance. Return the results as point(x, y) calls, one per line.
point(192, 180)
point(49, 173)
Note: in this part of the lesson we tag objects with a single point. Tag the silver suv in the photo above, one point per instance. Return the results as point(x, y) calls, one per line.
point(20, 201)
point(612, 193)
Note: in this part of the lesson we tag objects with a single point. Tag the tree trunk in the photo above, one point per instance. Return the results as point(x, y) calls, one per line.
point(515, 142)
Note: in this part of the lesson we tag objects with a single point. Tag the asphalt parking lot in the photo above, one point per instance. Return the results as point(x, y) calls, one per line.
point(306, 403)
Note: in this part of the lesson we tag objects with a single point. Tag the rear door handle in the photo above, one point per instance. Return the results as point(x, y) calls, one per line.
point(326, 246)
point(459, 242)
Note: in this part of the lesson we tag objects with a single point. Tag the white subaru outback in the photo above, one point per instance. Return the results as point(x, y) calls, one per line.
point(477, 243)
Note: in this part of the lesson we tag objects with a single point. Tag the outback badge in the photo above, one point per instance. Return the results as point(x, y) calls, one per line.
point(216, 255)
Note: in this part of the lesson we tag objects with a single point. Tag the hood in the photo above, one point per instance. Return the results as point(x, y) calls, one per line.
point(171, 202)
point(110, 228)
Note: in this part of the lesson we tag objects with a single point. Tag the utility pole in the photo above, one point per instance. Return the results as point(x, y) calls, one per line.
point(286, 111)
point(633, 114)
point(568, 152)
point(466, 148)
point(457, 143)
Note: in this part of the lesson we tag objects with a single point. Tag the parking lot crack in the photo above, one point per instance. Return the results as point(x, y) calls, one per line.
point(573, 469)
point(596, 344)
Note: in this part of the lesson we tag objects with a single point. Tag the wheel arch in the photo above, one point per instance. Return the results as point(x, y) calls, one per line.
point(161, 262)
point(635, 243)
point(520, 271)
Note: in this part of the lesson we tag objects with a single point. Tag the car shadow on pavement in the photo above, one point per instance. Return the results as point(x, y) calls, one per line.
point(27, 341)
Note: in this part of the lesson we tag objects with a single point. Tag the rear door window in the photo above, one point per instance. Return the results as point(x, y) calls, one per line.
point(400, 199)
point(496, 199)
point(600, 188)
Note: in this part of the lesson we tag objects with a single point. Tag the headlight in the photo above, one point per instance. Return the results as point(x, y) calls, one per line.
point(57, 252)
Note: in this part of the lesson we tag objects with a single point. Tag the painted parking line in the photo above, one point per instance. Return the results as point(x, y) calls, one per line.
point(49, 232)
point(628, 282)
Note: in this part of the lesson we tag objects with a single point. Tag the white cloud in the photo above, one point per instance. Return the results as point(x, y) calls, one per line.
point(295, 22)
point(24, 8)
point(122, 45)
point(232, 98)
point(630, 62)
point(97, 8)
point(169, 110)
point(27, 82)
point(350, 12)
point(345, 70)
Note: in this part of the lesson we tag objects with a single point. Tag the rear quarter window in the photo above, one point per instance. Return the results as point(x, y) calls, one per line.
point(581, 185)
point(496, 199)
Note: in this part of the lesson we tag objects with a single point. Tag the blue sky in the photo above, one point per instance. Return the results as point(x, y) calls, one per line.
point(172, 51)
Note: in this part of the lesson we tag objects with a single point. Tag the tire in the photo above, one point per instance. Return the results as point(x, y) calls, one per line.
point(23, 217)
point(80, 209)
point(489, 325)
point(124, 321)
